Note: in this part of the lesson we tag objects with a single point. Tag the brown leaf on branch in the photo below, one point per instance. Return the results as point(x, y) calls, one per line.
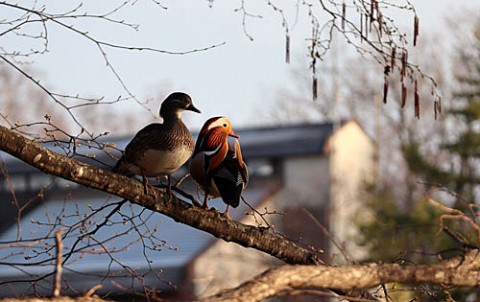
point(393, 58)
point(385, 89)
point(404, 95)
point(417, 100)
point(416, 29)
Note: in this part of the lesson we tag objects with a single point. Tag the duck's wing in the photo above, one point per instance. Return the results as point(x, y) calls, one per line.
point(231, 177)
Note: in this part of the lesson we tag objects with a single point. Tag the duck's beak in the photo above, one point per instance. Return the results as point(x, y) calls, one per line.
point(193, 108)
point(233, 134)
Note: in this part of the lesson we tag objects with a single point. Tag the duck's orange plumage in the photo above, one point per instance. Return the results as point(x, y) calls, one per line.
point(217, 166)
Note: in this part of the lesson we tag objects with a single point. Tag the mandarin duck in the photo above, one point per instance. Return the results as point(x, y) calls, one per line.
point(216, 166)
point(160, 149)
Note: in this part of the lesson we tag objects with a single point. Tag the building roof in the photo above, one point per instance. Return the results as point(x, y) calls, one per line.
point(285, 140)
point(258, 142)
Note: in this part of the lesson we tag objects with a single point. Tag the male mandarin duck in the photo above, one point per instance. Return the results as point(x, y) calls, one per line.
point(160, 149)
point(218, 167)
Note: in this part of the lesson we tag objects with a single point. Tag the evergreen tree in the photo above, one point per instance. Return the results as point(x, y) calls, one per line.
point(459, 173)
point(466, 108)
point(412, 234)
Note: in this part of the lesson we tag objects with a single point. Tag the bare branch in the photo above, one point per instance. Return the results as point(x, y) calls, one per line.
point(210, 221)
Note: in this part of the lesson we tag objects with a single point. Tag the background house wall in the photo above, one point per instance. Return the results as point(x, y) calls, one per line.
point(306, 182)
point(304, 201)
point(227, 265)
point(352, 165)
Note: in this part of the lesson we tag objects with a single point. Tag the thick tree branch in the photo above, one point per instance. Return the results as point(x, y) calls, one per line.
point(458, 272)
point(293, 279)
point(181, 211)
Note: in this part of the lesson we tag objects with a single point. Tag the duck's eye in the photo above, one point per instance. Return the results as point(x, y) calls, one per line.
point(225, 125)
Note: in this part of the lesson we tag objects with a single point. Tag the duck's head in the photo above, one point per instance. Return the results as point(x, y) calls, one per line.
point(176, 103)
point(218, 123)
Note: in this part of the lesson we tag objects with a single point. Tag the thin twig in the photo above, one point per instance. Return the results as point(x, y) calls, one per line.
point(59, 267)
point(327, 233)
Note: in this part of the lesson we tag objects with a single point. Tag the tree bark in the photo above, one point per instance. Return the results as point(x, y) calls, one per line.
point(209, 221)
point(458, 272)
point(292, 279)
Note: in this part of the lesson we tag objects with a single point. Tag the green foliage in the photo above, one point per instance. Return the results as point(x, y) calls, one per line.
point(419, 165)
point(397, 234)
point(413, 236)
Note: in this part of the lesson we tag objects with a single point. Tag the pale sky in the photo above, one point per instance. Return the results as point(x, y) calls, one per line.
point(237, 79)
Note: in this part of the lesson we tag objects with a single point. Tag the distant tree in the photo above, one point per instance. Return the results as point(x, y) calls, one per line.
point(460, 173)
point(411, 232)
point(31, 119)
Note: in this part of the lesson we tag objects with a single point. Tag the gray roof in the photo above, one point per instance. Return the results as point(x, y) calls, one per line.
point(285, 141)
point(272, 142)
